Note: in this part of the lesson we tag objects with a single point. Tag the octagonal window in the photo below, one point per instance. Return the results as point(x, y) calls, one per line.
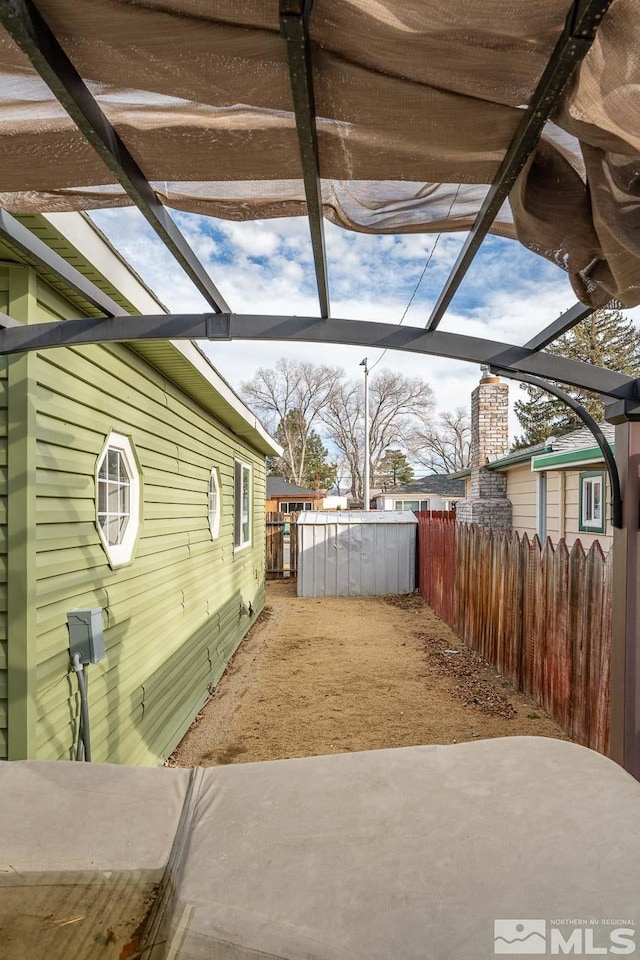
point(214, 503)
point(118, 498)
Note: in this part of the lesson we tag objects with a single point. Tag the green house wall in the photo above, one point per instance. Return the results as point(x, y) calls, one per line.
point(176, 613)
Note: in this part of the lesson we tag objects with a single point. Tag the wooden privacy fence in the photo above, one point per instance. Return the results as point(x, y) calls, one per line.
point(436, 514)
point(540, 614)
point(281, 530)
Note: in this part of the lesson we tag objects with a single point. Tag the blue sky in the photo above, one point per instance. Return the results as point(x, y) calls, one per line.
point(266, 267)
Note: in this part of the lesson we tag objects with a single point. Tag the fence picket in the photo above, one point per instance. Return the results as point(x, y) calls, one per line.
point(275, 524)
point(540, 614)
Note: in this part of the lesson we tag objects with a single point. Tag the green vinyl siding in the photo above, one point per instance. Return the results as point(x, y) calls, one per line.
point(177, 611)
point(18, 578)
point(175, 614)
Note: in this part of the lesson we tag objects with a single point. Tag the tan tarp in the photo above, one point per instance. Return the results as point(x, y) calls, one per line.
point(416, 100)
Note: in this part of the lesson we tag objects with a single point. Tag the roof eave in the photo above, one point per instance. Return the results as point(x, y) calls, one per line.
point(78, 237)
point(514, 459)
point(568, 459)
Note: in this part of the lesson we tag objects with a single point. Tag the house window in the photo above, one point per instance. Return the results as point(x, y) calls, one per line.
point(118, 498)
point(411, 505)
point(214, 503)
point(592, 502)
point(242, 513)
point(292, 506)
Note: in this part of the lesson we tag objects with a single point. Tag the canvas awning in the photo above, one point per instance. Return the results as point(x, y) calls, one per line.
point(416, 104)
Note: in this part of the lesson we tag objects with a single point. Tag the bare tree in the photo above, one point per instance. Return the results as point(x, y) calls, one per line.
point(343, 419)
point(288, 399)
point(444, 447)
point(400, 407)
point(343, 473)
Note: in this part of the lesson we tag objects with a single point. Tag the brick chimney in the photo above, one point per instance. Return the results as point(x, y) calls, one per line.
point(487, 502)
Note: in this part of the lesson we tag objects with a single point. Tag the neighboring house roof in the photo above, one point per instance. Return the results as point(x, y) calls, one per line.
point(584, 438)
point(76, 238)
point(503, 461)
point(278, 487)
point(577, 441)
point(436, 483)
point(460, 474)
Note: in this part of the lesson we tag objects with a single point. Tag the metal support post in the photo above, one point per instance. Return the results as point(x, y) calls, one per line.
point(367, 444)
point(625, 634)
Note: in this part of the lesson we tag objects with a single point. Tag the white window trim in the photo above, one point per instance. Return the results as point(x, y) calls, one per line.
point(119, 553)
point(305, 506)
point(400, 503)
point(541, 506)
point(214, 524)
point(237, 548)
point(593, 523)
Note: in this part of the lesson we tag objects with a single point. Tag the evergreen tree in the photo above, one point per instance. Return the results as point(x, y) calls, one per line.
point(605, 339)
point(393, 468)
point(305, 460)
point(319, 472)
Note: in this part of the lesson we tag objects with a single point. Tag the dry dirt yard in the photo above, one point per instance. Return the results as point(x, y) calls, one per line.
point(342, 674)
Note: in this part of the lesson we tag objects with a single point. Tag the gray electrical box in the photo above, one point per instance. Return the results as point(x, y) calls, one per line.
point(85, 634)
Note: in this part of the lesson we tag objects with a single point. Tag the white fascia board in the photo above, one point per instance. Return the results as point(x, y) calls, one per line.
point(199, 360)
point(89, 240)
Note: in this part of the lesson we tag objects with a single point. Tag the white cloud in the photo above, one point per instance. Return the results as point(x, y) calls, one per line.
point(256, 241)
point(267, 267)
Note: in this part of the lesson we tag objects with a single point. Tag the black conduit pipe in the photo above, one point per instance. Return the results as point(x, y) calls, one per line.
point(83, 749)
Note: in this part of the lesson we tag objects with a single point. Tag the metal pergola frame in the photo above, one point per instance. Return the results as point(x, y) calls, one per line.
point(528, 363)
point(592, 425)
point(575, 40)
point(294, 26)
point(24, 23)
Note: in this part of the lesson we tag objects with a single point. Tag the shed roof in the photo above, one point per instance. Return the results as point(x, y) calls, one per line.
point(324, 517)
point(279, 487)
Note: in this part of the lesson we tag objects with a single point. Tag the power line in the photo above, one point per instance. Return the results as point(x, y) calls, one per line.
point(421, 277)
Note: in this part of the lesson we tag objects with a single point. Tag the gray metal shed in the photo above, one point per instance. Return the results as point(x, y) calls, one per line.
point(354, 553)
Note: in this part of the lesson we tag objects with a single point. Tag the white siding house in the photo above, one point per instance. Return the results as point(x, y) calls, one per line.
point(435, 492)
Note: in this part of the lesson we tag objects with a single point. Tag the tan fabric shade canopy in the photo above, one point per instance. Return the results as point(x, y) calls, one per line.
point(416, 104)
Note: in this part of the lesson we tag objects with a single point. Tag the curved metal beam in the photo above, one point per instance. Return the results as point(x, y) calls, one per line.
point(390, 336)
point(590, 424)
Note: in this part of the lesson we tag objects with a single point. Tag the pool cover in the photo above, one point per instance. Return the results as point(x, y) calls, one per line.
point(400, 854)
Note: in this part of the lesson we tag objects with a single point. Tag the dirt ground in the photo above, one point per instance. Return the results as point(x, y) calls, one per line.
point(342, 674)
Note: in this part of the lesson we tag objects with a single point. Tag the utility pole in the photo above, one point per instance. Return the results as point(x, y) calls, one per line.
point(367, 452)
